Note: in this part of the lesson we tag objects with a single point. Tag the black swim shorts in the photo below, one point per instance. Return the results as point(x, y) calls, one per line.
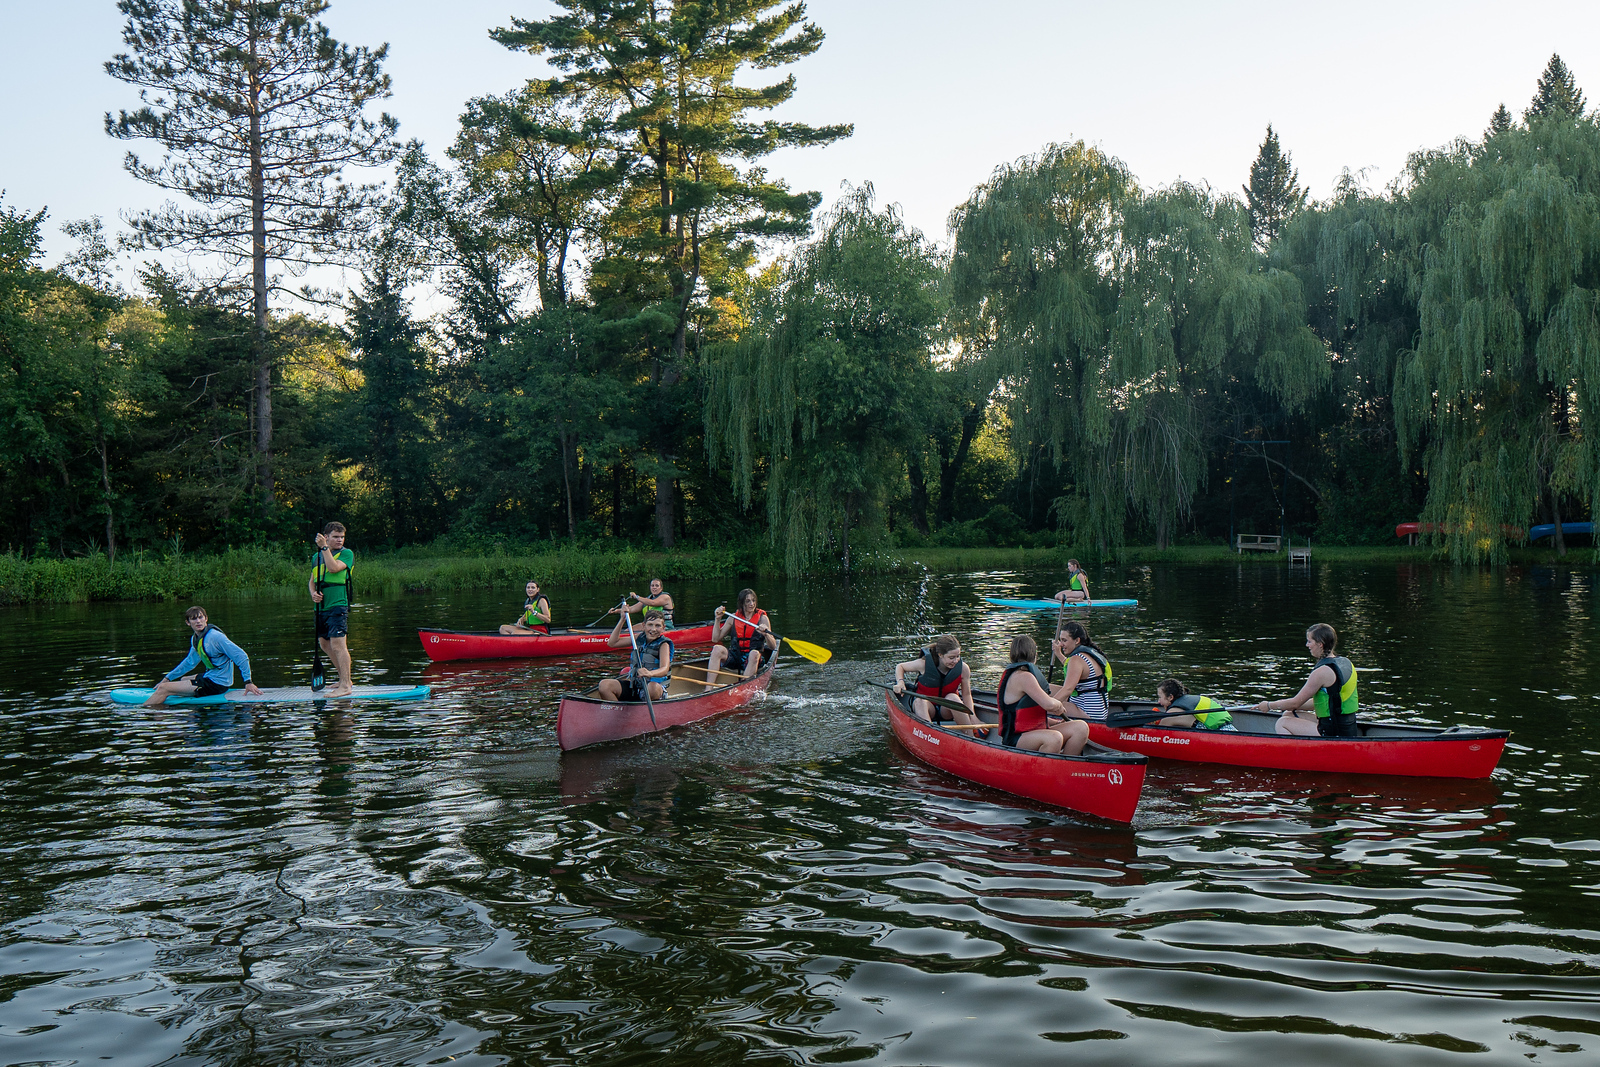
point(335, 622)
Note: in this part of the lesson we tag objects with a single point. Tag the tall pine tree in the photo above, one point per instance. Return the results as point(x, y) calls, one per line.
point(258, 111)
point(1499, 122)
point(1274, 194)
point(660, 85)
point(1557, 94)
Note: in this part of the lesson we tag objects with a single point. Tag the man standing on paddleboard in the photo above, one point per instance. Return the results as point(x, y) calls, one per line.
point(330, 588)
point(211, 650)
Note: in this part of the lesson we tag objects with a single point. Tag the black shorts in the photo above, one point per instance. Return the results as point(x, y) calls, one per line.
point(1338, 726)
point(205, 687)
point(633, 694)
point(740, 656)
point(335, 622)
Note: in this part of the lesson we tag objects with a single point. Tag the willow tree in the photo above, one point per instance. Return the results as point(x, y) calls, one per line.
point(1032, 290)
point(1201, 324)
point(823, 391)
point(1501, 390)
point(665, 86)
point(258, 112)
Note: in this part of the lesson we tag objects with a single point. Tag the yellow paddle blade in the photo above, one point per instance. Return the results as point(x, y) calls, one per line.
point(814, 653)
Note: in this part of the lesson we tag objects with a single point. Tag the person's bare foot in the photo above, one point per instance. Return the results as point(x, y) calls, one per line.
point(342, 691)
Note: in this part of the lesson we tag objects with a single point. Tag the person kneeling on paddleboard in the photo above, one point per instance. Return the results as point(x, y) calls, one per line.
point(1077, 590)
point(1190, 710)
point(650, 667)
point(210, 650)
point(535, 617)
point(944, 674)
point(1328, 702)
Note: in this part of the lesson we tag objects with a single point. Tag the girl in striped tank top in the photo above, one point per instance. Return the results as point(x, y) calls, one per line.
point(1088, 675)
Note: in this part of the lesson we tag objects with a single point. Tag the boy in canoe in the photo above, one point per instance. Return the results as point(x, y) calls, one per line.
point(659, 601)
point(330, 589)
point(535, 617)
point(210, 650)
point(650, 667)
point(1077, 590)
point(1190, 710)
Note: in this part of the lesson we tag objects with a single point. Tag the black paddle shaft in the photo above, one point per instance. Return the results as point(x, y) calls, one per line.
point(319, 679)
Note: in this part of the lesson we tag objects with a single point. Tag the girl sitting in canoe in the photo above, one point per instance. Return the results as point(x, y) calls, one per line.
point(1077, 590)
point(650, 667)
point(749, 635)
point(1025, 703)
point(1088, 674)
point(535, 617)
point(658, 601)
point(1191, 710)
point(944, 674)
point(1326, 705)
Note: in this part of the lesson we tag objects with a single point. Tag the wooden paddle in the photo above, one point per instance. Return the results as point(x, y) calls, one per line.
point(814, 653)
point(708, 670)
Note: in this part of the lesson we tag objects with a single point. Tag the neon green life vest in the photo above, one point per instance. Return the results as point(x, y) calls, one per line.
point(1207, 712)
point(1344, 682)
point(197, 644)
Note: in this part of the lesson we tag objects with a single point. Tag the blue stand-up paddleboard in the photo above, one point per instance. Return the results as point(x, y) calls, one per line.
point(295, 694)
point(1052, 605)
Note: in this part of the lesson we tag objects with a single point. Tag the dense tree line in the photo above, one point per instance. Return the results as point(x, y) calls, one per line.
point(635, 332)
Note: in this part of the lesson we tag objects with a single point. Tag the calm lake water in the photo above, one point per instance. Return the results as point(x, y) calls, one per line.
point(434, 882)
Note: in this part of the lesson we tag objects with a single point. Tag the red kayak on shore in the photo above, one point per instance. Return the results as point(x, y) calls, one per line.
point(1382, 748)
point(574, 641)
point(1100, 782)
point(584, 719)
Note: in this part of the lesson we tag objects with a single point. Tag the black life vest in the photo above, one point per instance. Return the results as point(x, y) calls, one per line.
point(934, 682)
point(1100, 683)
point(1337, 704)
point(1008, 709)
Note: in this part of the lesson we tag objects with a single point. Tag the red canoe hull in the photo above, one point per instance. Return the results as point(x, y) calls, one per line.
point(1388, 748)
point(1106, 786)
point(584, 719)
point(470, 644)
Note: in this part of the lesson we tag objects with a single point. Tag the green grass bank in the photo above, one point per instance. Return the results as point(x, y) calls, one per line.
point(269, 571)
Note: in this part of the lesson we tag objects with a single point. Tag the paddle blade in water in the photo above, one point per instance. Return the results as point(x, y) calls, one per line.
point(814, 653)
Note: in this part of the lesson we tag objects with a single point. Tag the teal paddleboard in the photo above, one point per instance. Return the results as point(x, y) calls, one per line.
point(1052, 605)
point(295, 694)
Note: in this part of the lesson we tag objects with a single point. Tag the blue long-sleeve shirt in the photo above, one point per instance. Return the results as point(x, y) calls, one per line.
point(223, 653)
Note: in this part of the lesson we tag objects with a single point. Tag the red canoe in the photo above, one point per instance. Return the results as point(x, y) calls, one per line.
point(584, 719)
point(1099, 782)
point(1382, 748)
point(487, 644)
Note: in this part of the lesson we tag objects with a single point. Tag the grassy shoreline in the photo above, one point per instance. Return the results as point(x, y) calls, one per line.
point(267, 571)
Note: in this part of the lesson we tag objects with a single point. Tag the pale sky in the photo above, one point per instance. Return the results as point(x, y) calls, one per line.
point(940, 92)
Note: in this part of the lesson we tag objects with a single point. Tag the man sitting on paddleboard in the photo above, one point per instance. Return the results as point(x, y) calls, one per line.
point(1077, 589)
point(211, 650)
point(651, 666)
point(535, 617)
point(749, 635)
point(659, 601)
point(1191, 710)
